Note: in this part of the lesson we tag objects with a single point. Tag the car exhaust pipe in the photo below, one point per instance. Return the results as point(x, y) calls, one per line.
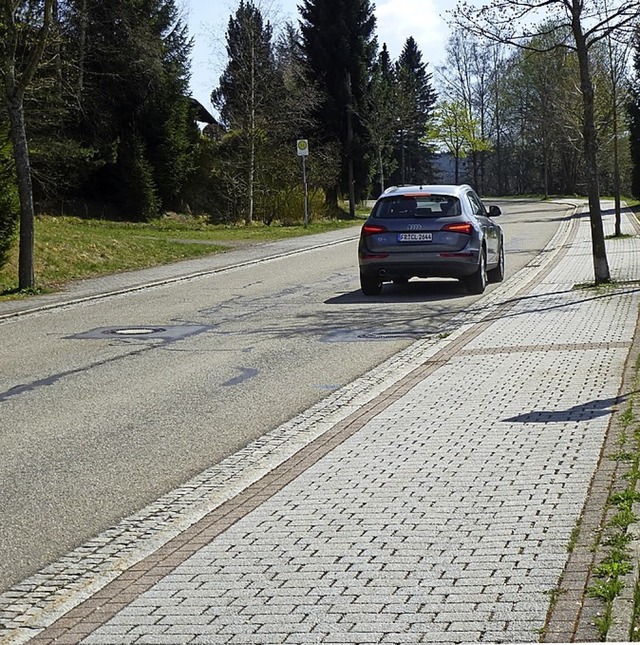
point(382, 273)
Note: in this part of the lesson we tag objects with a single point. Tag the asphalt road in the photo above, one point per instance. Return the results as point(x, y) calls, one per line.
point(99, 418)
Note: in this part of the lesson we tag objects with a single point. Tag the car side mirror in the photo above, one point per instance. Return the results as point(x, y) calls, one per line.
point(494, 211)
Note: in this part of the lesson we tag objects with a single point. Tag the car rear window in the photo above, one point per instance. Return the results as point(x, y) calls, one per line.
point(401, 206)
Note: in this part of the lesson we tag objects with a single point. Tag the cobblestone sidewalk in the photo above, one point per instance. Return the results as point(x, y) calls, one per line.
point(442, 514)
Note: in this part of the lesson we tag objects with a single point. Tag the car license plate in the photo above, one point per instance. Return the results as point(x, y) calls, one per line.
point(415, 237)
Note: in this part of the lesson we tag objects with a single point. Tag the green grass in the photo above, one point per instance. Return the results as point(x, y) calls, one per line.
point(613, 541)
point(71, 248)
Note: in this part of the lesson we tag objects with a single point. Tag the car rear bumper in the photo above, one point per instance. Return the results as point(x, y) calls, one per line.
point(443, 265)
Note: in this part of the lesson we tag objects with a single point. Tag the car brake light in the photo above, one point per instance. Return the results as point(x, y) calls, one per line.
point(460, 227)
point(373, 229)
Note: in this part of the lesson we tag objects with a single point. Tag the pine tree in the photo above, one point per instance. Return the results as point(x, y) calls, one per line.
point(133, 84)
point(60, 162)
point(380, 116)
point(340, 48)
point(246, 96)
point(242, 90)
point(168, 127)
point(138, 192)
point(415, 101)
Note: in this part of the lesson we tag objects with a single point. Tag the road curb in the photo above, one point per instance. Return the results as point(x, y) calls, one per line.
point(65, 299)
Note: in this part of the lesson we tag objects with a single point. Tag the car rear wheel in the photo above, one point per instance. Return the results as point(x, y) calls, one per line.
point(477, 282)
point(497, 274)
point(370, 286)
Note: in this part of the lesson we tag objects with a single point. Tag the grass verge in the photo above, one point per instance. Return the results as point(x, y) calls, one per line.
point(71, 248)
point(614, 540)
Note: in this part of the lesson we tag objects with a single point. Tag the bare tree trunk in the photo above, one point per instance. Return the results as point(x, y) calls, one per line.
point(481, 154)
point(252, 136)
point(545, 169)
point(616, 169)
point(498, 137)
point(599, 252)
point(616, 179)
point(617, 63)
point(15, 85)
point(26, 275)
point(403, 179)
point(251, 180)
point(58, 52)
point(613, 64)
point(350, 174)
point(457, 167)
point(82, 46)
point(476, 180)
point(352, 190)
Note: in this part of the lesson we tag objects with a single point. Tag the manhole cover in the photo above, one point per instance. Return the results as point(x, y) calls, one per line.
point(144, 332)
point(134, 331)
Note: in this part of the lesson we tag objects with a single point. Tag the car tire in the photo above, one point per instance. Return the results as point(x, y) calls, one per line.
point(477, 282)
point(370, 286)
point(497, 274)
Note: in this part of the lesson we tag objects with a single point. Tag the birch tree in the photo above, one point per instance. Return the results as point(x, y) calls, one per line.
point(588, 22)
point(380, 114)
point(465, 79)
point(415, 102)
point(455, 128)
point(617, 59)
point(24, 27)
point(633, 116)
point(247, 85)
point(339, 44)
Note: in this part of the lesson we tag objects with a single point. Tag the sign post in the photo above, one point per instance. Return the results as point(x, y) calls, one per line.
point(302, 147)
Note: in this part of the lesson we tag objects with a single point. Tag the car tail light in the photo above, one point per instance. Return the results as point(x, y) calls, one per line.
point(372, 229)
point(460, 227)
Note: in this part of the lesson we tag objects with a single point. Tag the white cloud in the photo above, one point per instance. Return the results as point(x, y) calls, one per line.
point(396, 20)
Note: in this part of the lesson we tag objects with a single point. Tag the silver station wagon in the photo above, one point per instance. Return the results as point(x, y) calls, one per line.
point(430, 231)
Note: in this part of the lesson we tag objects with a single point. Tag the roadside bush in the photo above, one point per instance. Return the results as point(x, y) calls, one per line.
point(138, 194)
point(287, 207)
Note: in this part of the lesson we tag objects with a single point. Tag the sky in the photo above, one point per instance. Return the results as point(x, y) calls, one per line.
point(396, 20)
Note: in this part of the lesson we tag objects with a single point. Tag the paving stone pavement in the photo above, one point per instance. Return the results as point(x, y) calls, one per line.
point(443, 517)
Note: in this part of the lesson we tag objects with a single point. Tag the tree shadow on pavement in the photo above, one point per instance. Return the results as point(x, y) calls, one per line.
point(616, 289)
point(582, 412)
